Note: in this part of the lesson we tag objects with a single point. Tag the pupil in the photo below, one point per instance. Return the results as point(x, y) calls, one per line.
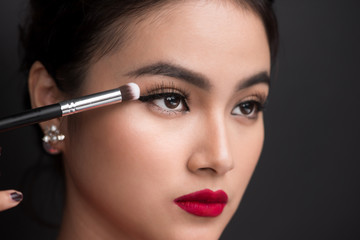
point(247, 108)
point(172, 101)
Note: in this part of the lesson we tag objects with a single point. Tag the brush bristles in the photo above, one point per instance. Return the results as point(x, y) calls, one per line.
point(130, 91)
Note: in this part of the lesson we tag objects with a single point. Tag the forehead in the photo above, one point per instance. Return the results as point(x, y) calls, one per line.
point(211, 37)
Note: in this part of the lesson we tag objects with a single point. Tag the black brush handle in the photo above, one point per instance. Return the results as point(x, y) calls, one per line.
point(30, 117)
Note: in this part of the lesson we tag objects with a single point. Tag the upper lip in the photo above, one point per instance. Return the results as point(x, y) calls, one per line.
point(204, 196)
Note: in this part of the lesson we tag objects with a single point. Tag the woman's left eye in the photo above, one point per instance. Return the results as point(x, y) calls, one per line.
point(249, 109)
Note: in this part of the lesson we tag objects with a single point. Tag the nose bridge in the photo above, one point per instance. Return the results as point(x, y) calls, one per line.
point(217, 147)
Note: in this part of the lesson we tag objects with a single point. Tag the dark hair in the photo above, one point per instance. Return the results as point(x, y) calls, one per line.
point(67, 35)
point(264, 9)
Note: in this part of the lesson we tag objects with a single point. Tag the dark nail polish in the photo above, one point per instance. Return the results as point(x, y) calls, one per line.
point(17, 197)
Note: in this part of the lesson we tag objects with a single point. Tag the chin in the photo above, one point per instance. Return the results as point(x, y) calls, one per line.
point(202, 228)
point(196, 234)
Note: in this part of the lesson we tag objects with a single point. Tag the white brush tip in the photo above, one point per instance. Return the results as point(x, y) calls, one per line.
point(135, 90)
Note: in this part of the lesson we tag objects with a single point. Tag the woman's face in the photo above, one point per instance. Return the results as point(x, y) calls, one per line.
point(203, 73)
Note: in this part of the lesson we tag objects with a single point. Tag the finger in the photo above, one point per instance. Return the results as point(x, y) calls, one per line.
point(9, 199)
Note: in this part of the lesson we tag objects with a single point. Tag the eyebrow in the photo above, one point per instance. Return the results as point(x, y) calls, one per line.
point(194, 78)
point(174, 71)
point(262, 77)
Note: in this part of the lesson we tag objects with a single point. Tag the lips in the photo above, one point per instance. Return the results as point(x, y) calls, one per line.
point(204, 203)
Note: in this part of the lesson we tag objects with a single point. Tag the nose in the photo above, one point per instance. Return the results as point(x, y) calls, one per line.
point(212, 149)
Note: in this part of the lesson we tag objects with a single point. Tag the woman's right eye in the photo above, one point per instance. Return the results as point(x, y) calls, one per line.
point(168, 102)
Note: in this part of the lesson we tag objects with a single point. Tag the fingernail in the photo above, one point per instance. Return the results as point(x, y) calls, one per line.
point(17, 197)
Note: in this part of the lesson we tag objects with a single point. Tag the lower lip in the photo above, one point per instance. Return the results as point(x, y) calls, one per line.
point(204, 203)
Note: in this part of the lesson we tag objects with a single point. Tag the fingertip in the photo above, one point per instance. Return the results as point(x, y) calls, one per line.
point(9, 199)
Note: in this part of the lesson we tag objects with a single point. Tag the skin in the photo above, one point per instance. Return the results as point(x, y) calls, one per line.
point(125, 164)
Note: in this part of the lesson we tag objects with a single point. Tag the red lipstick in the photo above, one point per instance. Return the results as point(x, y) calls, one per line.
point(204, 203)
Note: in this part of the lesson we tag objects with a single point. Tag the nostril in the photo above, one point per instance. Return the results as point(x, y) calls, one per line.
point(207, 169)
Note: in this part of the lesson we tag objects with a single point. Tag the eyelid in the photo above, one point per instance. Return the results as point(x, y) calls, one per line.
point(166, 87)
point(257, 97)
point(159, 95)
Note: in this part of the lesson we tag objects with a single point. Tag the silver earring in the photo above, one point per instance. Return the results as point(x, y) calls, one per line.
point(51, 137)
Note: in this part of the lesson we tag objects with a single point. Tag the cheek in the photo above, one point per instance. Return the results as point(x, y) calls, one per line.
point(247, 146)
point(118, 142)
point(124, 151)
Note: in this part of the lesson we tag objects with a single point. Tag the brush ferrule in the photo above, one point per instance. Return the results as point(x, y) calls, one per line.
point(91, 101)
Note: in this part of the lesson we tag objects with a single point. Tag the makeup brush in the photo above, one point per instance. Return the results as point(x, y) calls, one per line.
point(130, 91)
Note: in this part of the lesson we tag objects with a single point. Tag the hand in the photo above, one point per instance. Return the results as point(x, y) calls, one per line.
point(9, 199)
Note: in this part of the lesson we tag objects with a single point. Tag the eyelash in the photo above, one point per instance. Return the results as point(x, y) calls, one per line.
point(256, 102)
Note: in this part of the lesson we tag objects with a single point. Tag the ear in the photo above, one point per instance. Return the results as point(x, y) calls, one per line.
point(43, 91)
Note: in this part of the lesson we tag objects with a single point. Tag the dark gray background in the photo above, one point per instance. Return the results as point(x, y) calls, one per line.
point(306, 185)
